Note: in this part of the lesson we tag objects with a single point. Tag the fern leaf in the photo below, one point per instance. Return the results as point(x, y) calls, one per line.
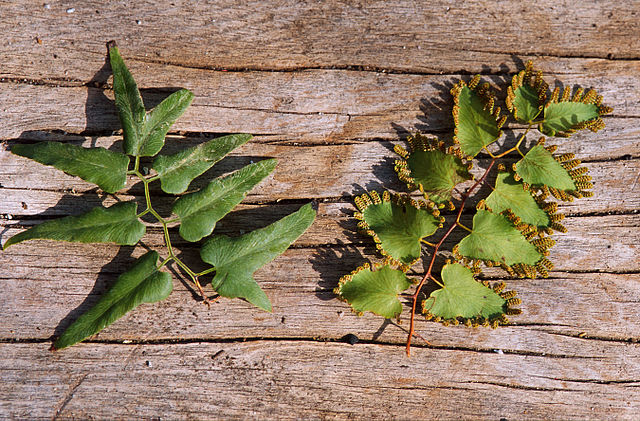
point(527, 94)
point(375, 291)
point(463, 299)
point(397, 224)
point(431, 168)
point(477, 121)
point(496, 241)
point(564, 114)
point(511, 194)
point(558, 175)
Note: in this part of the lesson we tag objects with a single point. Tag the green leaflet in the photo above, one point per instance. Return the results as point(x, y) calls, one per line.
point(398, 226)
point(510, 194)
point(437, 173)
point(116, 224)
point(143, 131)
point(96, 165)
point(539, 167)
point(236, 259)
point(199, 211)
point(526, 104)
point(377, 292)
point(495, 239)
point(562, 117)
point(527, 94)
point(177, 171)
point(128, 101)
point(143, 283)
point(463, 296)
point(475, 119)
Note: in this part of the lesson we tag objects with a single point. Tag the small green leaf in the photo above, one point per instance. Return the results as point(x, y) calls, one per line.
point(199, 211)
point(510, 194)
point(143, 132)
point(116, 224)
point(128, 103)
point(236, 259)
point(398, 226)
point(96, 165)
point(177, 171)
point(463, 296)
point(436, 173)
point(495, 239)
point(563, 117)
point(159, 120)
point(527, 94)
point(539, 167)
point(475, 119)
point(143, 283)
point(374, 291)
point(526, 103)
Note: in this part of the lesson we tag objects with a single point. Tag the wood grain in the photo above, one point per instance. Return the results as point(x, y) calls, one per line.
point(263, 379)
point(327, 88)
point(288, 35)
point(322, 106)
point(322, 172)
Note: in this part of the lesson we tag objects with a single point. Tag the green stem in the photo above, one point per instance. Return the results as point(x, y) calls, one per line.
point(165, 230)
point(204, 272)
point(515, 148)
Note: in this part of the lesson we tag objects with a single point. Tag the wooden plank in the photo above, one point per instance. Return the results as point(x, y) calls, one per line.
point(321, 172)
point(614, 237)
point(554, 311)
point(265, 379)
point(327, 88)
point(283, 35)
point(318, 105)
point(46, 283)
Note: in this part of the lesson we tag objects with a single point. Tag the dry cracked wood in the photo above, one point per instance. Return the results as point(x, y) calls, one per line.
point(266, 380)
point(289, 35)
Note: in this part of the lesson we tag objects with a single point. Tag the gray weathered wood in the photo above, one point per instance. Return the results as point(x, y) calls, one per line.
point(439, 36)
point(264, 379)
point(320, 172)
point(335, 106)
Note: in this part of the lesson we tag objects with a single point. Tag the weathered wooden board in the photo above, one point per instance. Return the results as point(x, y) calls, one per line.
point(322, 172)
point(327, 88)
point(439, 36)
point(266, 380)
point(42, 304)
point(335, 105)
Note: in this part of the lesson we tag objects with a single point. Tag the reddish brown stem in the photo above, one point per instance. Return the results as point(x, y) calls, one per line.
point(427, 275)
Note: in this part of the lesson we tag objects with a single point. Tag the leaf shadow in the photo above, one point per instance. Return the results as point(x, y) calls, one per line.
point(434, 117)
point(106, 278)
point(350, 253)
point(323, 261)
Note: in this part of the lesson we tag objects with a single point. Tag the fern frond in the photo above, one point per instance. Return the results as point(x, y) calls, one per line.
point(465, 300)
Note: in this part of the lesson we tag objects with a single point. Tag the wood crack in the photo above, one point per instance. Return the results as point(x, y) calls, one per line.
point(186, 341)
point(594, 381)
point(588, 337)
point(523, 387)
point(69, 395)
